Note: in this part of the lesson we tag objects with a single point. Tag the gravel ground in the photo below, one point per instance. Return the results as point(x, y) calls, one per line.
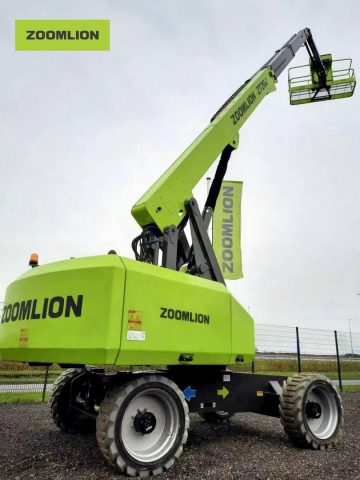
point(250, 447)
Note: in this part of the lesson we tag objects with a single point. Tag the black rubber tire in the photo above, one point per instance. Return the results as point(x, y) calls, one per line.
point(296, 420)
point(113, 425)
point(216, 417)
point(65, 418)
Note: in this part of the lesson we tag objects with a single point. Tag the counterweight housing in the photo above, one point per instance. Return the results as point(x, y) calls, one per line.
point(116, 311)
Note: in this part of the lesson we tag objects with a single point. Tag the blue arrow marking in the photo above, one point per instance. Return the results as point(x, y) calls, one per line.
point(189, 393)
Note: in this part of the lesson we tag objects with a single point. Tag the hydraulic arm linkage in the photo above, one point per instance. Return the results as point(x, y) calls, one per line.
point(168, 205)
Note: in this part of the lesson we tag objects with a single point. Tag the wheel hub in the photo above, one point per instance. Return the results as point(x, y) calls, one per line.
point(144, 422)
point(313, 410)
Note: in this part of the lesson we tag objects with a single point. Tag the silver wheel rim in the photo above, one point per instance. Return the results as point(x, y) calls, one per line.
point(151, 447)
point(325, 425)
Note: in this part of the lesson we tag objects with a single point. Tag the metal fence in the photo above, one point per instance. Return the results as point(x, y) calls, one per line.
point(279, 349)
point(19, 382)
point(278, 340)
point(335, 353)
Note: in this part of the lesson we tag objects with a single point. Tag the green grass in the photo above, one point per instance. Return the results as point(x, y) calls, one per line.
point(289, 365)
point(331, 375)
point(286, 367)
point(26, 397)
point(15, 373)
point(351, 388)
point(9, 378)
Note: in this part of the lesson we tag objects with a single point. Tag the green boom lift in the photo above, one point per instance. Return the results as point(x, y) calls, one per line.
point(168, 307)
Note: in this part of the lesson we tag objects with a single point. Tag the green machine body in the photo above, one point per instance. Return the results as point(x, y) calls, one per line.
point(116, 311)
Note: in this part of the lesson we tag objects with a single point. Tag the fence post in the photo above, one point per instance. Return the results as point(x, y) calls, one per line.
point(338, 361)
point(45, 382)
point(298, 349)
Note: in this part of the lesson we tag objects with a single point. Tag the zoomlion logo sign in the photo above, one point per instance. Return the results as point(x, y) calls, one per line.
point(185, 315)
point(62, 34)
point(53, 307)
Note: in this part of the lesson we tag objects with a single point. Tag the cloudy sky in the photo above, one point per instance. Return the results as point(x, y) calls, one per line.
point(84, 134)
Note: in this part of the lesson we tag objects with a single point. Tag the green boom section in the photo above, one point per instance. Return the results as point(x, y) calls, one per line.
point(163, 203)
point(113, 310)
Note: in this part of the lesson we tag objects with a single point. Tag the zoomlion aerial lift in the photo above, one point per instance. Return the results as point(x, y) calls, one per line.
point(110, 310)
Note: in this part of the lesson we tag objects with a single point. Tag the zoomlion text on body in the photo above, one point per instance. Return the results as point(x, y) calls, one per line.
point(54, 307)
point(184, 315)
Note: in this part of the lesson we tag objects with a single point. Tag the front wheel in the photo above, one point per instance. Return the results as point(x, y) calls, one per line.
point(311, 411)
point(143, 425)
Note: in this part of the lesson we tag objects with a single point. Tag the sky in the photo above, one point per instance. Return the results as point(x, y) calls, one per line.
point(84, 134)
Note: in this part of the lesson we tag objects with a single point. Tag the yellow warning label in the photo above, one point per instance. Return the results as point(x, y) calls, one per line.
point(134, 320)
point(259, 393)
point(24, 337)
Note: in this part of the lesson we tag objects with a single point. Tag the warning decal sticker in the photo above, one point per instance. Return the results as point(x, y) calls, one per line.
point(24, 337)
point(134, 320)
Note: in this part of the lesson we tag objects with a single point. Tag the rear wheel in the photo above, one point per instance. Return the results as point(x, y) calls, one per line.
point(64, 415)
point(311, 411)
point(143, 425)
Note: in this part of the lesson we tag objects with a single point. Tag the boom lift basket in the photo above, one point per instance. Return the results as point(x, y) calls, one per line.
point(304, 85)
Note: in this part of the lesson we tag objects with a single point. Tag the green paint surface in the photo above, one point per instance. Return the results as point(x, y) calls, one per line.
point(122, 320)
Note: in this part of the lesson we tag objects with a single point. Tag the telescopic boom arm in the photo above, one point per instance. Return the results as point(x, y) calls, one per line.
point(167, 206)
point(163, 203)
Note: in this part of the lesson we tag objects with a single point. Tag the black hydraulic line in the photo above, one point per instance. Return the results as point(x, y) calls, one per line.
point(211, 202)
point(218, 178)
point(316, 60)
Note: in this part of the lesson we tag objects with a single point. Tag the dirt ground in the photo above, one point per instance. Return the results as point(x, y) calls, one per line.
point(249, 447)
